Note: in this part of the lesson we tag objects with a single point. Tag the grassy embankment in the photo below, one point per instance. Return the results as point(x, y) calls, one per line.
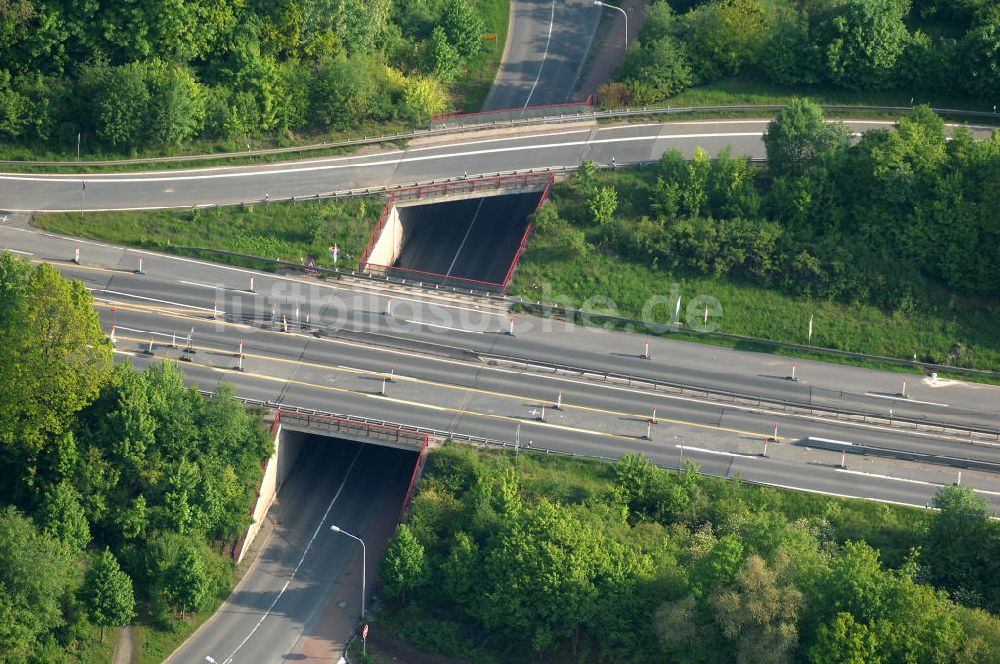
point(565, 260)
point(285, 231)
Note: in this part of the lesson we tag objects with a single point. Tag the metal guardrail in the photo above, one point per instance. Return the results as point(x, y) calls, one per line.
point(922, 457)
point(458, 126)
point(334, 425)
point(970, 433)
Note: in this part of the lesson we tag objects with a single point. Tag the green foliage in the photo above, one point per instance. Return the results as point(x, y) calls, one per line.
point(464, 27)
point(107, 593)
point(893, 233)
point(55, 359)
point(187, 582)
point(147, 468)
point(154, 76)
point(958, 548)
point(866, 45)
point(603, 204)
point(800, 137)
point(402, 567)
point(38, 580)
point(744, 574)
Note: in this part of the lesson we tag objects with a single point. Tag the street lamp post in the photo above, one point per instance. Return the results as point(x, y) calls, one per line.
point(598, 3)
point(364, 564)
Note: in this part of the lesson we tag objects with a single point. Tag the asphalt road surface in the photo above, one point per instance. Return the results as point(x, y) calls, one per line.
point(455, 389)
point(547, 46)
point(357, 487)
point(457, 156)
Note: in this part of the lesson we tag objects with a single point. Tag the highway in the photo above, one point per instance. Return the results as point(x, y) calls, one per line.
point(547, 45)
point(452, 156)
point(439, 351)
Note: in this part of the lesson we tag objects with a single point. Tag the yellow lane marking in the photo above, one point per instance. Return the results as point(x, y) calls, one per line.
point(417, 404)
point(73, 266)
point(432, 383)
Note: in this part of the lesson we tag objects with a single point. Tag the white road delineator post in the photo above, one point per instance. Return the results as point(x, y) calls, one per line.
point(510, 330)
point(284, 323)
point(392, 373)
point(775, 438)
point(382, 390)
point(792, 377)
point(173, 339)
point(388, 307)
point(541, 414)
point(251, 289)
point(558, 405)
point(645, 350)
point(764, 453)
point(139, 270)
point(654, 414)
point(215, 308)
point(114, 341)
point(903, 393)
point(76, 255)
point(843, 459)
point(239, 357)
point(189, 350)
point(149, 349)
point(649, 430)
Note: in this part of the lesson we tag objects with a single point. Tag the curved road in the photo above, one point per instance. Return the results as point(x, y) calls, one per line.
point(457, 156)
point(546, 47)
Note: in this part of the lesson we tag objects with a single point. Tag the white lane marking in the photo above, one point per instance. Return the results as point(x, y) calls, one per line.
point(904, 399)
point(195, 283)
point(911, 481)
point(295, 571)
point(545, 54)
point(841, 495)
point(707, 451)
point(361, 289)
point(442, 327)
point(15, 251)
point(153, 299)
point(149, 332)
point(465, 237)
point(384, 162)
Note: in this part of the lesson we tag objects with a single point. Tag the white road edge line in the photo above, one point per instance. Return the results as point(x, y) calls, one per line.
point(707, 451)
point(909, 480)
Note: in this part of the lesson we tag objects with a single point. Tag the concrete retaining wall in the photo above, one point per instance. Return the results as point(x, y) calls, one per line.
point(389, 242)
point(276, 471)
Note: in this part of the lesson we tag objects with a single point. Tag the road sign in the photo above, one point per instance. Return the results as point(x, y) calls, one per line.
point(364, 632)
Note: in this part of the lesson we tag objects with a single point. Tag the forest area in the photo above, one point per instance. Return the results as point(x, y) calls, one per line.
point(123, 491)
point(570, 560)
point(927, 48)
point(895, 233)
point(156, 75)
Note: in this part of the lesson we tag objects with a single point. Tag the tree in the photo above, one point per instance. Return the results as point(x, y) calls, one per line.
point(865, 38)
point(402, 565)
point(980, 54)
point(464, 26)
point(723, 36)
point(119, 103)
point(845, 641)
point(959, 538)
point(440, 57)
point(187, 581)
point(177, 105)
point(800, 136)
point(758, 614)
point(55, 359)
point(656, 70)
point(603, 203)
point(37, 579)
point(63, 517)
point(108, 593)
